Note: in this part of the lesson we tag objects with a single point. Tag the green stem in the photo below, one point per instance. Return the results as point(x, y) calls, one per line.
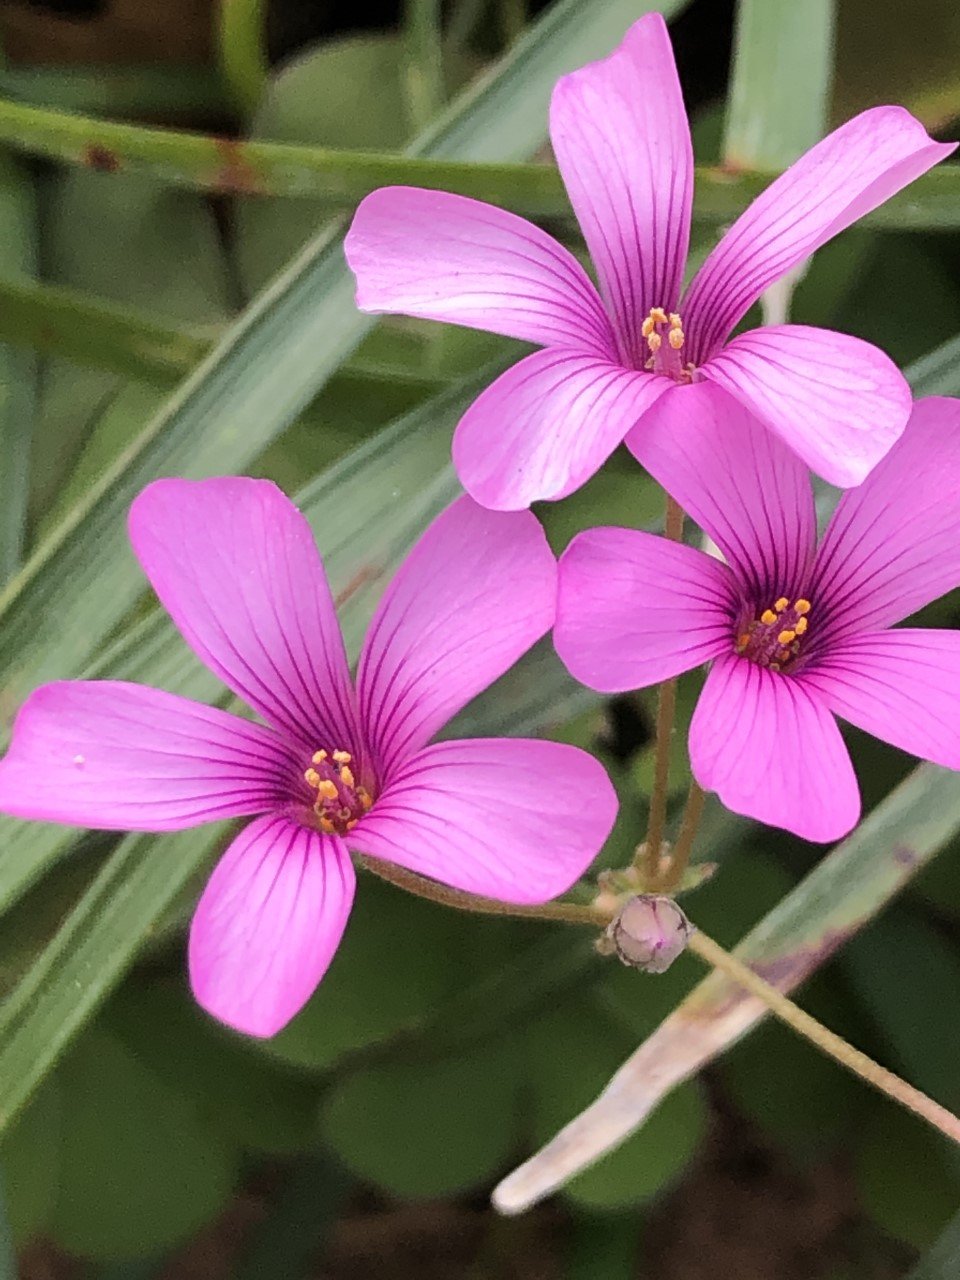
point(240, 46)
point(648, 855)
point(424, 60)
point(675, 869)
point(825, 1040)
point(567, 912)
point(341, 178)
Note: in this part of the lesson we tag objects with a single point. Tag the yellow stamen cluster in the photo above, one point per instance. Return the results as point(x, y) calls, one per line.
point(337, 804)
point(755, 643)
point(653, 339)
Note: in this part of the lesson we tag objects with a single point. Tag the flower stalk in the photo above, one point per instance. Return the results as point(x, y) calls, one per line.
point(827, 1041)
point(673, 872)
point(433, 891)
point(649, 853)
point(801, 1022)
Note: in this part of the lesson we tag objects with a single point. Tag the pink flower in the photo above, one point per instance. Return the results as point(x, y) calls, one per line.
point(622, 142)
point(336, 766)
point(796, 633)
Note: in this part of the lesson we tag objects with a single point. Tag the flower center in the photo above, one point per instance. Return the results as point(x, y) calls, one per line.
point(340, 802)
point(663, 335)
point(775, 639)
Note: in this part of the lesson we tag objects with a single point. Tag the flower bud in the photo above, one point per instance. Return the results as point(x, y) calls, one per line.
point(649, 932)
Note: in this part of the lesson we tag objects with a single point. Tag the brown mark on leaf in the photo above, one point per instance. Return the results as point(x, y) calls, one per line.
point(787, 971)
point(726, 170)
point(101, 158)
point(904, 857)
point(369, 573)
point(236, 175)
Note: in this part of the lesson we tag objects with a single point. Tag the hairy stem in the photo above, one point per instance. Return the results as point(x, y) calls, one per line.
point(567, 912)
point(673, 873)
point(648, 861)
point(827, 1041)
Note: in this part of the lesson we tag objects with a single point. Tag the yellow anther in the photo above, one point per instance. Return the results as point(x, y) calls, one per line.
point(744, 640)
point(768, 617)
point(346, 776)
point(801, 607)
point(675, 338)
point(342, 757)
point(675, 321)
point(364, 797)
point(654, 342)
point(658, 315)
point(327, 826)
point(319, 757)
point(312, 778)
point(781, 604)
point(800, 626)
point(647, 327)
point(328, 789)
point(351, 824)
point(786, 637)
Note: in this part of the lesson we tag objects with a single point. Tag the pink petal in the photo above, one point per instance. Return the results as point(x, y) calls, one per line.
point(902, 686)
point(235, 565)
point(838, 402)
point(772, 751)
point(268, 923)
point(474, 594)
point(739, 483)
point(634, 609)
point(124, 757)
point(621, 138)
point(506, 818)
point(446, 257)
point(893, 545)
point(546, 426)
point(853, 170)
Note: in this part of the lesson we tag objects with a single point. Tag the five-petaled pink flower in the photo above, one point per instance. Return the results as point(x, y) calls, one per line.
point(796, 633)
point(622, 143)
point(336, 766)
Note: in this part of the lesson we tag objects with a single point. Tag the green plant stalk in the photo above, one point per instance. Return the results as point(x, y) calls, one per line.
point(679, 859)
point(240, 50)
point(424, 62)
point(432, 891)
point(827, 1041)
point(19, 368)
point(341, 178)
point(648, 856)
